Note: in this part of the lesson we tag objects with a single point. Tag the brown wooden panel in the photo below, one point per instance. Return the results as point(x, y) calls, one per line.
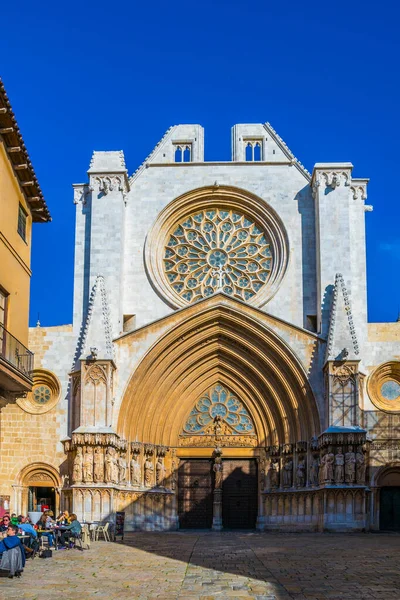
point(239, 494)
point(195, 500)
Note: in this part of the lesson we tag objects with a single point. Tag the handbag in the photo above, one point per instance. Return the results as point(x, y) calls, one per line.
point(46, 553)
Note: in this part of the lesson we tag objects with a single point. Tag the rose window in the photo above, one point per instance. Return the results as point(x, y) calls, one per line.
point(42, 394)
point(390, 390)
point(216, 250)
point(219, 402)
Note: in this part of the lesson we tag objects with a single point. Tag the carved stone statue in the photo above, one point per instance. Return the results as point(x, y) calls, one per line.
point(122, 468)
point(273, 474)
point(160, 471)
point(350, 466)
point(314, 470)
point(301, 472)
point(287, 473)
point(78, 465)
point(108, 465)
point(88, 465)
point(148, 472)
point(98, 470)
point(136, 472)
point(329, 464)
point(339, 466)
point(217, 468)
point(114, 466)
point(360, 466)
point(322, 469)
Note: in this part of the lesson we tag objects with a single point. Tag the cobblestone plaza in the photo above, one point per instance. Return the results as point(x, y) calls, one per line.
point(213, 566)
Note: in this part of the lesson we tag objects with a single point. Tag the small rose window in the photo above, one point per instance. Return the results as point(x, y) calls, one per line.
point(42, 394)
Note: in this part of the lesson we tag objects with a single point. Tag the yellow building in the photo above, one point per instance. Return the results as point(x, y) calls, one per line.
point(21, 204)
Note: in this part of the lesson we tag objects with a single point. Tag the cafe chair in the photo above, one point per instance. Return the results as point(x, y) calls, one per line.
point(76, 542)
point(103, 529)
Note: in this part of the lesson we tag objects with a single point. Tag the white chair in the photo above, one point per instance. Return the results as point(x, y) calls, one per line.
point(92, 529)
point(104, 530)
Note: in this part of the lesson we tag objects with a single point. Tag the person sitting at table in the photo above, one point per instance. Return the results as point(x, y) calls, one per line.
point(14, 519)
point(5, 522)
point(63, 518)
point(12, 553)
point(72, 530)
point(44, 524)
point(26, 527)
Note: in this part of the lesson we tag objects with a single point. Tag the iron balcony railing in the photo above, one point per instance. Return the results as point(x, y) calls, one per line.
point(15, 353)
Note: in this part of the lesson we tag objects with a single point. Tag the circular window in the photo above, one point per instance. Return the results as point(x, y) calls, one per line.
point(217, 250)
point(384, 387)
point(217, 239)
point(44, 395)
point(41, 394)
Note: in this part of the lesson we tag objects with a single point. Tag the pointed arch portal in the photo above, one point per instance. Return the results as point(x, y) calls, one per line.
point(220, 344)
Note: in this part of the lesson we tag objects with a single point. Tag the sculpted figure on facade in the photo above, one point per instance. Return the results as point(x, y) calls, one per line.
point(314, 470)
point(322, 469)
point(301, 472)
point(273, 474)
point(360, 466)
point(108, 466)
point(350, 466)
point(160, 472)
point(287, 473)
point(98, 468)
point(329, 465)
point(148, 472)
point(88, 465)
point(122, 468)
point(339, 466)
point(218, 470)
point(136, 471)
point(78, 466)
point(114, 466)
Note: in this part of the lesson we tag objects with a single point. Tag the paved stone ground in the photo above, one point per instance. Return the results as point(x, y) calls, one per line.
point(212, 566)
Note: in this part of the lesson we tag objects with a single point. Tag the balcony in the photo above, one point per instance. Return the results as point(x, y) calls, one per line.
point(16, 365)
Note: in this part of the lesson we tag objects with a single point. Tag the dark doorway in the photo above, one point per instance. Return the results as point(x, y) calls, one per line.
point(41, 498)
point(390, 509)
point(239, 494)
point(195, 494)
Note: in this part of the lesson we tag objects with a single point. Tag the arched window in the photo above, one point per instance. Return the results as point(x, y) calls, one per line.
point(249, 152)
point(187, 154)
point(178, 154)
point(257, 152)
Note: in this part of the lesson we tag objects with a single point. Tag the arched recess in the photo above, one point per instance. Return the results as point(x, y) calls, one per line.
point(222, 343)
point(385, 484)
point(39, 475)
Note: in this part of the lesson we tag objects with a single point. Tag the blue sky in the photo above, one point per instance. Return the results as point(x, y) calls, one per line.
point(86, 76)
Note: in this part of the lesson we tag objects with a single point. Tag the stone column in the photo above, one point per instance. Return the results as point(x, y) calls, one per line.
point(217, 502)
point(260, 525)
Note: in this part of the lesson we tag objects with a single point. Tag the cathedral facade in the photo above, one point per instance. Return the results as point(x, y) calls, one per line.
point(220, 370)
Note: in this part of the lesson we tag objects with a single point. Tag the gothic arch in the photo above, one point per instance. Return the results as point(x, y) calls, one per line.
point(223, 343)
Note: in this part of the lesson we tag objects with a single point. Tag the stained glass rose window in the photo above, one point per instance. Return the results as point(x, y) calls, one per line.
point(215, 250)
point(219, 402)
point(390, 390)
point(42, 394)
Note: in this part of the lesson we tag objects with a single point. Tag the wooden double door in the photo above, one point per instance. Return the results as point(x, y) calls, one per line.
point(196, 490)
point(390, 509)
